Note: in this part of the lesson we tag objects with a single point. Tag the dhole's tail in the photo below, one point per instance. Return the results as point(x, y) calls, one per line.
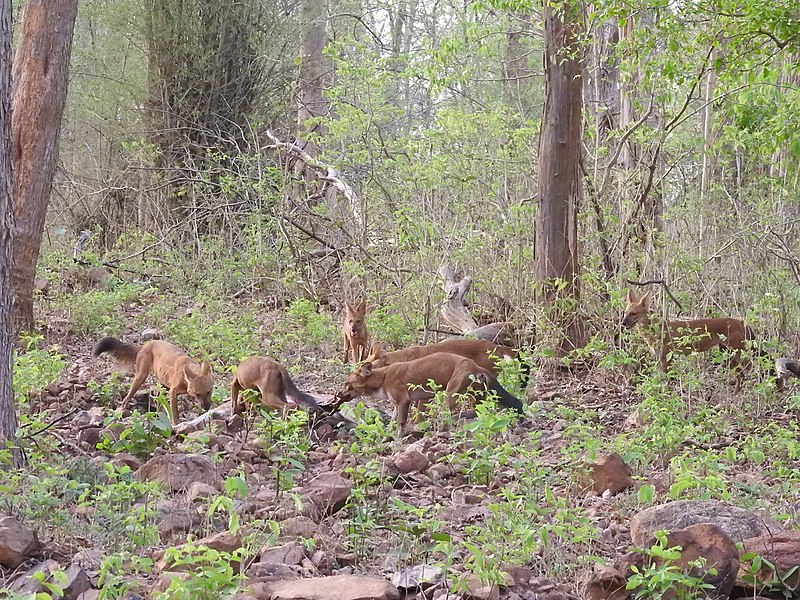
point(525, 373)
point(124, 353)
point(506, 398)
point(295, 394)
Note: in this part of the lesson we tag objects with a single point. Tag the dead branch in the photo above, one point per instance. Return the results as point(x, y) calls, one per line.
point(660, 282)
point(454, 311)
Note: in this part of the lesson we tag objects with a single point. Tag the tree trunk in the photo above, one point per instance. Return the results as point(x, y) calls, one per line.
point(311, 73)
point(8, 413)
point(559, 181)
point(40, 92)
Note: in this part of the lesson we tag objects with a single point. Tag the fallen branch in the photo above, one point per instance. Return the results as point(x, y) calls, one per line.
point(454, 311)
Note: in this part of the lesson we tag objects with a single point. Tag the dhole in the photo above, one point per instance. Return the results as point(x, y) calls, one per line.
point(456, 374)
point(685, 336)
point(355, 332)
point(173, 369)
point(485, 354)
point(271, 379)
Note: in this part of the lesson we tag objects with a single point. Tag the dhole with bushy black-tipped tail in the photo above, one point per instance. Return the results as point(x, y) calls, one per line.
point(172, 366)
point(271, 379)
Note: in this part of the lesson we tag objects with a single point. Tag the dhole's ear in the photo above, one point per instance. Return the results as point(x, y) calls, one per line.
point(631, 297)
point(645, 300)
point(190, 373)
point(362, 308)
point(366, 369)
point(348, 307)
point(205, 368)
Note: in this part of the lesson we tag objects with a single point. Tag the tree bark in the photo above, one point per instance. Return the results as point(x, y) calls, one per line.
point(556, 267)
point(39, 73)
point(8, 413)
point(311, 74)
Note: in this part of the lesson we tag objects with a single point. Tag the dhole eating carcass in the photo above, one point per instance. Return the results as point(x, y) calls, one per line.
point(405, 382)
point(272, 380)
point(355, 332)
point(486, 354)
point(685, 336)
point(172, 366)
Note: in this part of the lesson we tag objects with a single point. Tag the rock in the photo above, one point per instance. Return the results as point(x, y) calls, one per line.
point(89, 436)
point(782, 550)
point(151, 334)
point(174, 519)
point(291, 553)
point(262, 571)
point(201, 490)
point(603, 583)
point(610, 473)
point(298, 527)
point(477, 590)
point(440, 471)
point(738, 523)
point(708, 541)
point(325, 494)
point(411, 460)
point(25, 584)
point(166, 578)
point(77, 582)
point(41, 285)
point(128, 460)
point(224, 541)
point(178, 471)
point(417, 577)
point(89, 595)
point(17, 542)
point(337, 587)
point(89, 558)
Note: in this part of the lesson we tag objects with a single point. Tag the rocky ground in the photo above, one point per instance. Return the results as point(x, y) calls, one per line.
point(324, 532)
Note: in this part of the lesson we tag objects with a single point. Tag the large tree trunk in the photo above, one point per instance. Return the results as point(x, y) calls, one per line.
point(559, 181)
point(40, 92)
point(8, 413)
point(311, 74)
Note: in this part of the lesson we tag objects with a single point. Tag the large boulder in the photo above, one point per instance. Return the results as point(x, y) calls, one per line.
point(738, 523)
point(176, 472)
point(338, 587)
point(17, 542)
point(603, 583)
point(710, 543)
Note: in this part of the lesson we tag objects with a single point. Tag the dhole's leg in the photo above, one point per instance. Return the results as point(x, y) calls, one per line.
point(346, 358)
point(235, 389)
point(401, 409)
point(140, 375)
point(173, 405)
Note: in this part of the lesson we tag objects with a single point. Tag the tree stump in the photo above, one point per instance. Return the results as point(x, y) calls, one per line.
point(454, 311)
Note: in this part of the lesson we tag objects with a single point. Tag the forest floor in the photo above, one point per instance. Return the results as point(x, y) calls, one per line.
point(490, 507)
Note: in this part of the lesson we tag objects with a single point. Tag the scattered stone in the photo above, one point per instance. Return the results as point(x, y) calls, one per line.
point(337, 587)
point(477, 590)
point(738, 523)
point(291, 553)
point(224, 541)
point(782, 550)
point(440, 472)
point(89, 595)
point(610, 473)
point(41, 285)
point(325, 494)
point(178, 471)
point(603, 583)
point(25, 584)
point(411, 460)
point(417, 577)
point(298, 527)
point(152, 334)
point(89, 558)
point(89, 436)
point(77, 582)
point(174, 519)
point(199, 490)
point(128, 460)
point(710, 542)
point(264, 572)
point(17, 542)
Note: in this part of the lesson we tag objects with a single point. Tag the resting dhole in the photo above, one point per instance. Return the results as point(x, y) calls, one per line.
point(355, 332)
point(271, 379)
point(456, 374)
point(485, 354)
point(685, 336)
point(173, 369)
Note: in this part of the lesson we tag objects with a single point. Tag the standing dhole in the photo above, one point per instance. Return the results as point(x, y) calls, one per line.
point(271, 379)
point(355, 332)
point(686, 335)
point(173, 369)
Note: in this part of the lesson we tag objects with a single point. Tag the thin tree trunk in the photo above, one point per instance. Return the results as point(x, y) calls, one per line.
point(559, 177)
point(40, 92)
point(8, 413)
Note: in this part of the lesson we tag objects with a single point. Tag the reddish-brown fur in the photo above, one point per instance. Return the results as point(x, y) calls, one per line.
point(355, 332)
point(173, 369)
point(272, 380)
point(685, 335)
